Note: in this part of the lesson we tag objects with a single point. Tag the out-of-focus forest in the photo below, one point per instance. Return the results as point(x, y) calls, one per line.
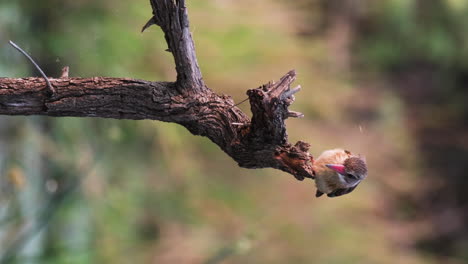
point(386, 79)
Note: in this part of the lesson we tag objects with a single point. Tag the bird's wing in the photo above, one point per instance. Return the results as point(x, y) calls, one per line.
point(342, 191)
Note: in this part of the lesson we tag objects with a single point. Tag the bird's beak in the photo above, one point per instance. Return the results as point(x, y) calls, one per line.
point(337, 167)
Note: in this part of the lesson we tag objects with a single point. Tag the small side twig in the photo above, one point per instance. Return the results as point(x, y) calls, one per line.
point(148, 24)
point(241, 102)
point(65, 72)
point(295, 114)
point(51, 88)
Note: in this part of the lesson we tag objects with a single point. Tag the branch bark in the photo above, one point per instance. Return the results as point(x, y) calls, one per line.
point(257, 143)
point(172, 17)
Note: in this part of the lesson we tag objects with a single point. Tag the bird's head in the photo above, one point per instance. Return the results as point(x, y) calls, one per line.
point(353, 169)
point(351, 173)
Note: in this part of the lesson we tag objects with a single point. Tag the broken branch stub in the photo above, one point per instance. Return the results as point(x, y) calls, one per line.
point(269, 105)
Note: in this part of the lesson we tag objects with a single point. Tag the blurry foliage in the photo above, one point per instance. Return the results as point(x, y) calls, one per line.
point(150, 192)
point(397, 33)
point(422, 48)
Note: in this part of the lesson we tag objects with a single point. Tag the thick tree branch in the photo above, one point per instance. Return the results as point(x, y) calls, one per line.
point(258, 143)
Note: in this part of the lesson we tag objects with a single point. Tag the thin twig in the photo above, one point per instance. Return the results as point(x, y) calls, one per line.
point(35, 65)
point(241, 102)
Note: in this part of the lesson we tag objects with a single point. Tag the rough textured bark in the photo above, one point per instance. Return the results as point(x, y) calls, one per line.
point(257, 143)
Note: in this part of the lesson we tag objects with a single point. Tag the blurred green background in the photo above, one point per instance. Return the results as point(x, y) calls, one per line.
point(386, 79)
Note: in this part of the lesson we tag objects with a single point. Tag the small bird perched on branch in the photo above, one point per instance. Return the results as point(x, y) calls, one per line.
point(338, 172)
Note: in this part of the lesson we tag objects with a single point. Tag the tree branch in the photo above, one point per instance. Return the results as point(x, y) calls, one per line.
point(172, 17)
point(258, 143)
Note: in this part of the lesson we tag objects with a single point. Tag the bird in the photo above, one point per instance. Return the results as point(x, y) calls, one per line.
point(338, 172)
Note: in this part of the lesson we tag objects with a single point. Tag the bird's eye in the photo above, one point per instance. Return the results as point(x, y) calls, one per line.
point(350, 175)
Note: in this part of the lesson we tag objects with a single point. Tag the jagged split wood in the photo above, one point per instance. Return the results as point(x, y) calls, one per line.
point(260, 142)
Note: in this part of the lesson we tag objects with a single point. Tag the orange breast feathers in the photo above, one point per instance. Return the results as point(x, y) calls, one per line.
point(327, 179)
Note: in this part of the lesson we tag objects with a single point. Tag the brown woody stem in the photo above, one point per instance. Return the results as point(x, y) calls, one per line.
point(258, 143)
